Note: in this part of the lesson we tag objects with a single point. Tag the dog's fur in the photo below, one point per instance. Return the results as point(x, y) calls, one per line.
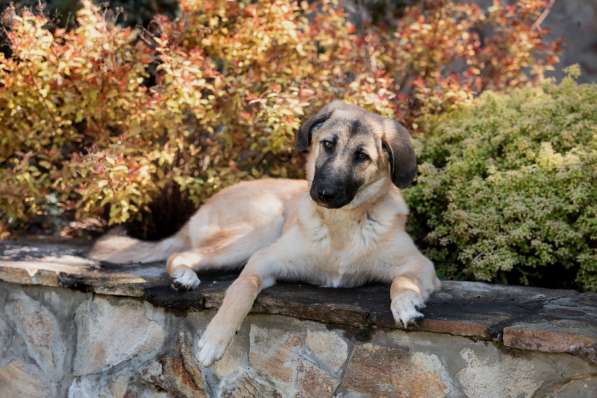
point(344, 226)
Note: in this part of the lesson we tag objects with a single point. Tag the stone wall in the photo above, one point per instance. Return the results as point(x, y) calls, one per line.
point(72, 328)
point(58, 342)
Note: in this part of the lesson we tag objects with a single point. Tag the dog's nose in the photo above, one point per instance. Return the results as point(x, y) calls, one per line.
point(325, 194)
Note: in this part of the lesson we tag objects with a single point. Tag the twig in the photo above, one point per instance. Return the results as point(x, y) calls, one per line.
point(543, 15)
point(148, 38)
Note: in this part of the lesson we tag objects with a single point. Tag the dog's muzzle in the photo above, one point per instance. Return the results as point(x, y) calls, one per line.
point(329, 196)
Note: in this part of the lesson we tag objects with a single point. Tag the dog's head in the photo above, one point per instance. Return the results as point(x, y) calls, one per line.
point(353, 154)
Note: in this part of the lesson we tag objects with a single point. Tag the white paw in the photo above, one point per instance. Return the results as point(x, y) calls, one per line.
point(404, 307)
point(211, 347)
point(184, 278)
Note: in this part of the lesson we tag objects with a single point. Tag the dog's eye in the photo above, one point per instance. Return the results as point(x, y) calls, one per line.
point(327, 145)
point(361, 156)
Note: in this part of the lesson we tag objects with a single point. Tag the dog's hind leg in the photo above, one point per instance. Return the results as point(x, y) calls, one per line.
point(228, 229)
point(224, 248)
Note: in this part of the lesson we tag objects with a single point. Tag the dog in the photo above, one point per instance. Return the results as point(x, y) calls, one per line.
point(342, 227)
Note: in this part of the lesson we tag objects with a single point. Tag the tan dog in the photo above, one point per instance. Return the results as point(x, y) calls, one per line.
point(344, 226)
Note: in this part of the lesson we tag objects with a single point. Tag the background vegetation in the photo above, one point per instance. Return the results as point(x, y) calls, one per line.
point(138, 126)
point(507, 187)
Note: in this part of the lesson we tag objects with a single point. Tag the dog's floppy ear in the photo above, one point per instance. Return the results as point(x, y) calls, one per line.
point(403, 161)
point(305, 132)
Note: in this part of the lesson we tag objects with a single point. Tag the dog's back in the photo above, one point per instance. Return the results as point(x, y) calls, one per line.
point(258, 206)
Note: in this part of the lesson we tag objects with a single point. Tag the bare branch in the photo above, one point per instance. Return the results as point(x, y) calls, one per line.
point(543, 15)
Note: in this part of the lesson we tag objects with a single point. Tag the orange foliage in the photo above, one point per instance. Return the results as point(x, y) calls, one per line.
point(82, 131)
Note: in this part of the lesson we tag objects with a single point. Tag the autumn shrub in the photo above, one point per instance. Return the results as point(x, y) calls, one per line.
point(102, 120)
point(507, 188)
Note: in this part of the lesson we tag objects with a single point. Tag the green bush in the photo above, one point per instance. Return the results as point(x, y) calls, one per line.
point(507, 188)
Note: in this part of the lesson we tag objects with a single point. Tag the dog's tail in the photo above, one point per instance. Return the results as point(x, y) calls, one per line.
point(121, 249)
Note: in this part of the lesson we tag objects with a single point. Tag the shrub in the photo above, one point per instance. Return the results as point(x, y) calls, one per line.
point(101, 120)
point(507, 187)
point(448, 52)
point(64, 96)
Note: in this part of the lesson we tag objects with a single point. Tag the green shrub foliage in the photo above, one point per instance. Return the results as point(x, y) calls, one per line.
point(507, 188)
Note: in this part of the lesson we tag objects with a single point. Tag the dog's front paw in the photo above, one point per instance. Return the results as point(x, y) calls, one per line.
point(184, 279)
point(211, 346)
point(404, 307)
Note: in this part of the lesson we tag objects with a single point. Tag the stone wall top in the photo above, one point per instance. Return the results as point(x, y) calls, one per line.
point(518, 317)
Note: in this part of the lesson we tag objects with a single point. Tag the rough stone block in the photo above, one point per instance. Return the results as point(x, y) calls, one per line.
point(313, 382)
point(281, 356)
point(579, 388)
point(489, 374)
point(177, 372)
point(40, 330)
point(273, 351)
point(554, 336)
point(379, 371)
point(246, 384)
point(328, 348)
point(4, 337)
point(99, 386)
point(18, 379)
point(109, 333)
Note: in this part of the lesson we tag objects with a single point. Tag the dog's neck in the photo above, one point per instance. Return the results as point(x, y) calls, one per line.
point(382, 213)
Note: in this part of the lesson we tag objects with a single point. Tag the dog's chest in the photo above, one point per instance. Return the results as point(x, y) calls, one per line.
point(347, 258)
